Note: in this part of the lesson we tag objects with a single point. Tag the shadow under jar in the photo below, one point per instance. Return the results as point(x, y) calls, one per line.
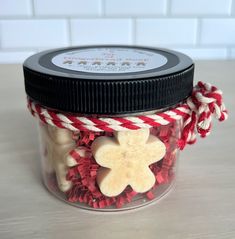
point(105, 144)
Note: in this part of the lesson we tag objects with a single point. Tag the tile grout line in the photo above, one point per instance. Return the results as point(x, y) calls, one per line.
point(32, 8)
point(133, 31)
point(229, 53)
point(20, 49)
point(168, 8)
point(102, 8)
point(93, 16)
point(188, 46)
point(69, 31)
point(0, 36)
point(232, 5)
point(198, 32)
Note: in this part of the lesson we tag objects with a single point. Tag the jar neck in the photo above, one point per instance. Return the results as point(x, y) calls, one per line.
point(150, 112)
point(117, 115)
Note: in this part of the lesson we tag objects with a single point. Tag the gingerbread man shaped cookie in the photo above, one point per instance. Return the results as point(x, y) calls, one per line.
point(58, 143)
point(125, 160)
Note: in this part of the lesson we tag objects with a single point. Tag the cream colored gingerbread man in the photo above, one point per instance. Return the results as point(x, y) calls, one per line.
point(125, 160)
point(58, 143)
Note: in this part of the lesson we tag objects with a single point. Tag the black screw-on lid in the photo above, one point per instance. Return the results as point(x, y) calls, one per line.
point(108, 79)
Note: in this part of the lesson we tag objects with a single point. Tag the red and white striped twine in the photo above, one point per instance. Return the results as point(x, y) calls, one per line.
point(196, 112)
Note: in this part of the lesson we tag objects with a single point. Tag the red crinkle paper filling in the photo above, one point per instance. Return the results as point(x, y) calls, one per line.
point(83, 175)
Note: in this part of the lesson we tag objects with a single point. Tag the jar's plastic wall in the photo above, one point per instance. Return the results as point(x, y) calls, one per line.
point(70, 170)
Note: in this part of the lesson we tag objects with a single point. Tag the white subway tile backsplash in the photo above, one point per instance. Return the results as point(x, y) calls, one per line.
point(135, 7)
point(15, 8)
point(218, 31)
point(67, 8)
point(204, 53)
point(101, 31)
point(33, 33)
point(204, 7)
point(14, 57)
point(203, 29)
point(166, 31)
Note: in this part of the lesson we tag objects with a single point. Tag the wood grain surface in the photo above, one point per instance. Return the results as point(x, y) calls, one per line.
point(201, 206)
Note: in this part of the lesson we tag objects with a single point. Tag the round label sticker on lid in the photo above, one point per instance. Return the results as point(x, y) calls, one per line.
point(109, 60)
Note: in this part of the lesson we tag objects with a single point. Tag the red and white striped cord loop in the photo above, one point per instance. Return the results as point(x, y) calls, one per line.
point(196, 113)
point(205, 101)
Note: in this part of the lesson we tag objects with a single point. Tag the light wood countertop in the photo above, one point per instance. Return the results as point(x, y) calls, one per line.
point(201, 206)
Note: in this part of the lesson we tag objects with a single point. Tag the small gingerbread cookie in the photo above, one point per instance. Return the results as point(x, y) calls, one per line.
point(125, 160)
point(58, 143)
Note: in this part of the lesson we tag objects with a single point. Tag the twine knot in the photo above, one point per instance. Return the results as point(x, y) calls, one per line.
point(205, 101)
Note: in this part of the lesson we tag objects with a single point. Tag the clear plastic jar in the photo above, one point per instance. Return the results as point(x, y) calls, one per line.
point(98, 151)
point(74, 179)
